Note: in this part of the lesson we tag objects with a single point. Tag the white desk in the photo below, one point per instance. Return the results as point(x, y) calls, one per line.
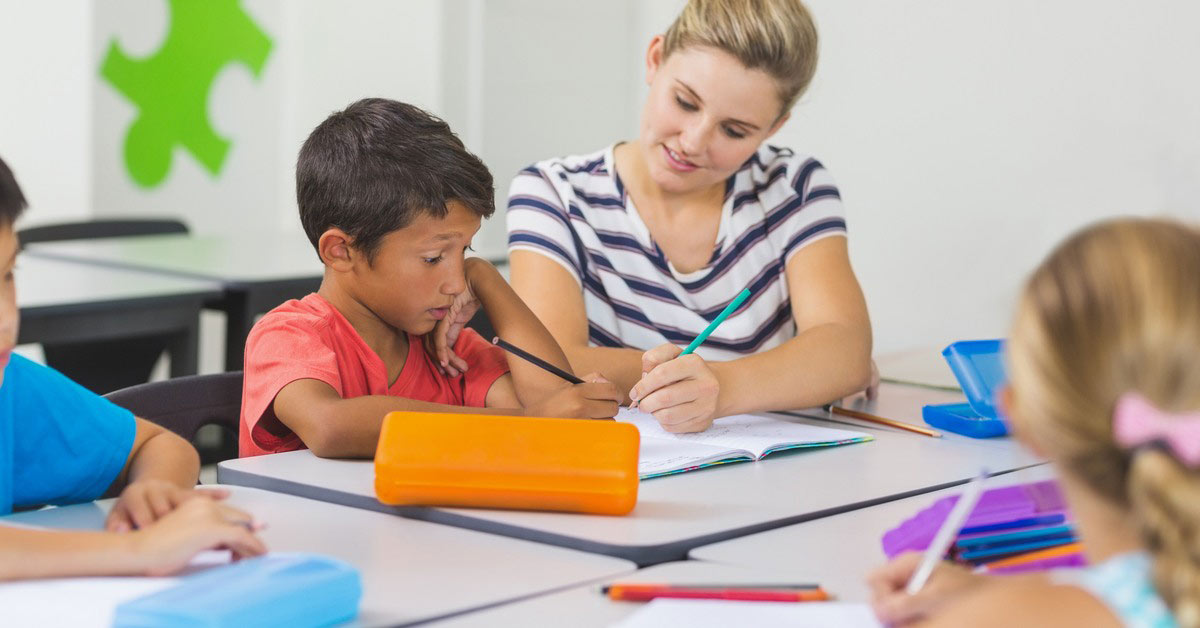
point(412, 571)
point(585, 607)
point(679, 512)
point(842, 549)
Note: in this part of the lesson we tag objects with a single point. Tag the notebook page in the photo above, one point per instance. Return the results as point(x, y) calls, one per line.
point(723, 614)
point(660, 456)
point(752, 433)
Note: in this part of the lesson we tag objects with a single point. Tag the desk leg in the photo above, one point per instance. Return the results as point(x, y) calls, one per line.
point(184, 349)
point(239, 318)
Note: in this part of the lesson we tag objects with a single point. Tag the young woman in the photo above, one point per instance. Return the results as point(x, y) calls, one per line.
point(627, 253)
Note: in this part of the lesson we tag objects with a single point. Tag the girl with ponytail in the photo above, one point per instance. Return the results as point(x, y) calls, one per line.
point(1105, 383)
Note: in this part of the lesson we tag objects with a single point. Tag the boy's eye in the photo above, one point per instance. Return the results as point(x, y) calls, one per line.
point(685, 105)
point(734, 133)
point(432, 260)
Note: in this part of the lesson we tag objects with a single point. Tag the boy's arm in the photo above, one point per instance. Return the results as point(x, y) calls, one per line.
point(333, 427)
point(158, 454)
point(162, 548)
point(517, 324)
point(158, 476)
point(555, 297)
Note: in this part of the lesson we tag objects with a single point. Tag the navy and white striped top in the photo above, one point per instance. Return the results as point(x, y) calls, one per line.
point(575, 211)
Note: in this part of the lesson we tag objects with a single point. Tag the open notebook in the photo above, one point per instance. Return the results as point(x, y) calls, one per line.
point(735, 438)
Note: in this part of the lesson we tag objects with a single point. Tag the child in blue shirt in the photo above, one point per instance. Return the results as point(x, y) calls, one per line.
point(62, 444)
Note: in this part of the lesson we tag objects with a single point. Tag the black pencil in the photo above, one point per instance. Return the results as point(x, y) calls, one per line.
point(533, 359)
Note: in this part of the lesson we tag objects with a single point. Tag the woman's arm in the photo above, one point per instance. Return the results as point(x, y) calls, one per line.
point(829, 357)
point(553, 295)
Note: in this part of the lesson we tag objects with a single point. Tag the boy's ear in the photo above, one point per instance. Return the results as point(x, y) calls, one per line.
point(336, 251)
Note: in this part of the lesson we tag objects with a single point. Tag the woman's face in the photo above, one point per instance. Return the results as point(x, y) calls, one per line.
point(705, 115)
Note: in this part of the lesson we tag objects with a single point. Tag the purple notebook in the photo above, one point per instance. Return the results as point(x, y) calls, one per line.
point(996, 506)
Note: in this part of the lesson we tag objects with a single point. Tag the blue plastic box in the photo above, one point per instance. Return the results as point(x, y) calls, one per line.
point(979, 367)
point(285, 590)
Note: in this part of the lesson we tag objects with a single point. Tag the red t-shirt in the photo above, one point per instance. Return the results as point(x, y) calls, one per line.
point(310, 339)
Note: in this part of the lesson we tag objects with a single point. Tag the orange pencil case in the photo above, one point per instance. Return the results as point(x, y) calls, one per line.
point(474, 460)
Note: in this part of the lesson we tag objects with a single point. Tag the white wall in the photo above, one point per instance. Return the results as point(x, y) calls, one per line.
point(967, 137)
point(45, 105)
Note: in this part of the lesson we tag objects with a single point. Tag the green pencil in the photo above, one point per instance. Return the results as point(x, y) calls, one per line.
point(733, 305)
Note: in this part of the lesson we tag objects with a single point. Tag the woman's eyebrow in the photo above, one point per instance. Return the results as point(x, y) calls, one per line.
point(692, 92)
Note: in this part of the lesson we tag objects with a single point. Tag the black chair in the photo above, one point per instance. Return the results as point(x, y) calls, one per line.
point(186, 404)
point(104, 365)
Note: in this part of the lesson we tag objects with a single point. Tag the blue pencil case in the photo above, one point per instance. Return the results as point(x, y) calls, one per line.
point(291, 590)
point(978, 365)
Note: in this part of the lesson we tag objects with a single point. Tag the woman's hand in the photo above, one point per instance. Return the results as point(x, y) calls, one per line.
point(167, 546)
point(680, 391)
point(146, 501)
point(893, 606)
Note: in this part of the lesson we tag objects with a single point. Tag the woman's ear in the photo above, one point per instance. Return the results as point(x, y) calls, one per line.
point(778, 124)
point(335, 249)
point(654, 58)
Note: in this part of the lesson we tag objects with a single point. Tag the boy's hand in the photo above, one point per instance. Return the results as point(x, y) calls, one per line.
point(596, 398)
point(439, 343)
point(144, 502)
point(894, 606)
point(168, 545)
point(680, 391)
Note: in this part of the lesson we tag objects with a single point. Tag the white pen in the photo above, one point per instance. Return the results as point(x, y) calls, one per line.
point(945, 535)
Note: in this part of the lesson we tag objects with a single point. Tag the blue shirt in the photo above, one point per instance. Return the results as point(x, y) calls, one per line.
point(59, 442)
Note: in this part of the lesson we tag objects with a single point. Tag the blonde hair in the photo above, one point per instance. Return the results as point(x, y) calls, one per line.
point(1116, 309)
point(776, 36)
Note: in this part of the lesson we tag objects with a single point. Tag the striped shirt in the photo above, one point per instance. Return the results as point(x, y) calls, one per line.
point(575, 211)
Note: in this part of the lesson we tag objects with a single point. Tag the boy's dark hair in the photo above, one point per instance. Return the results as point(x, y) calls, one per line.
point(12, 202)
point(374, 167)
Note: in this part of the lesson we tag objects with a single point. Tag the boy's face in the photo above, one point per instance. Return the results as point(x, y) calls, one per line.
point(8, 296)
point(418, 270)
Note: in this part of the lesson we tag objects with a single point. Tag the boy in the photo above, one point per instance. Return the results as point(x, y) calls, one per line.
point(60, 443)
point(390, 198)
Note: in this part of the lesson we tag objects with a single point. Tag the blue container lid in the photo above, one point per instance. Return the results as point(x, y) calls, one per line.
point(979, 367)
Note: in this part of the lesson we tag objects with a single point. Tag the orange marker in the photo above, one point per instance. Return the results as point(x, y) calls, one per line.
point(781, 593)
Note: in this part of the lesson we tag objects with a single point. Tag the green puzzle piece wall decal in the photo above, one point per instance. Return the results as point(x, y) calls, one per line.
point(170, 88)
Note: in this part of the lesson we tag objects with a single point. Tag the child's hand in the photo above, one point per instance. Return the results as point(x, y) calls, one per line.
point(439, 343)
point(142, 503)
point(680, 391)
point(169, 544)
point(596, 398)
point(894, 606)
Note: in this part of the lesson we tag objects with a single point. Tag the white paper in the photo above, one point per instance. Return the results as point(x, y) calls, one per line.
point(85, 602)
point(666, 613)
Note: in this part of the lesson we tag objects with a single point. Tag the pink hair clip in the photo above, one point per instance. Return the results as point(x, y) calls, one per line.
point(1137, 422)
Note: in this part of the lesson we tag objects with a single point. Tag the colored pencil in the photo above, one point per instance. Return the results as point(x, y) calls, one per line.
point(643, 593)
point(536, 361)
point(871, 418)
point(1053, 552)
point(733, 305)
